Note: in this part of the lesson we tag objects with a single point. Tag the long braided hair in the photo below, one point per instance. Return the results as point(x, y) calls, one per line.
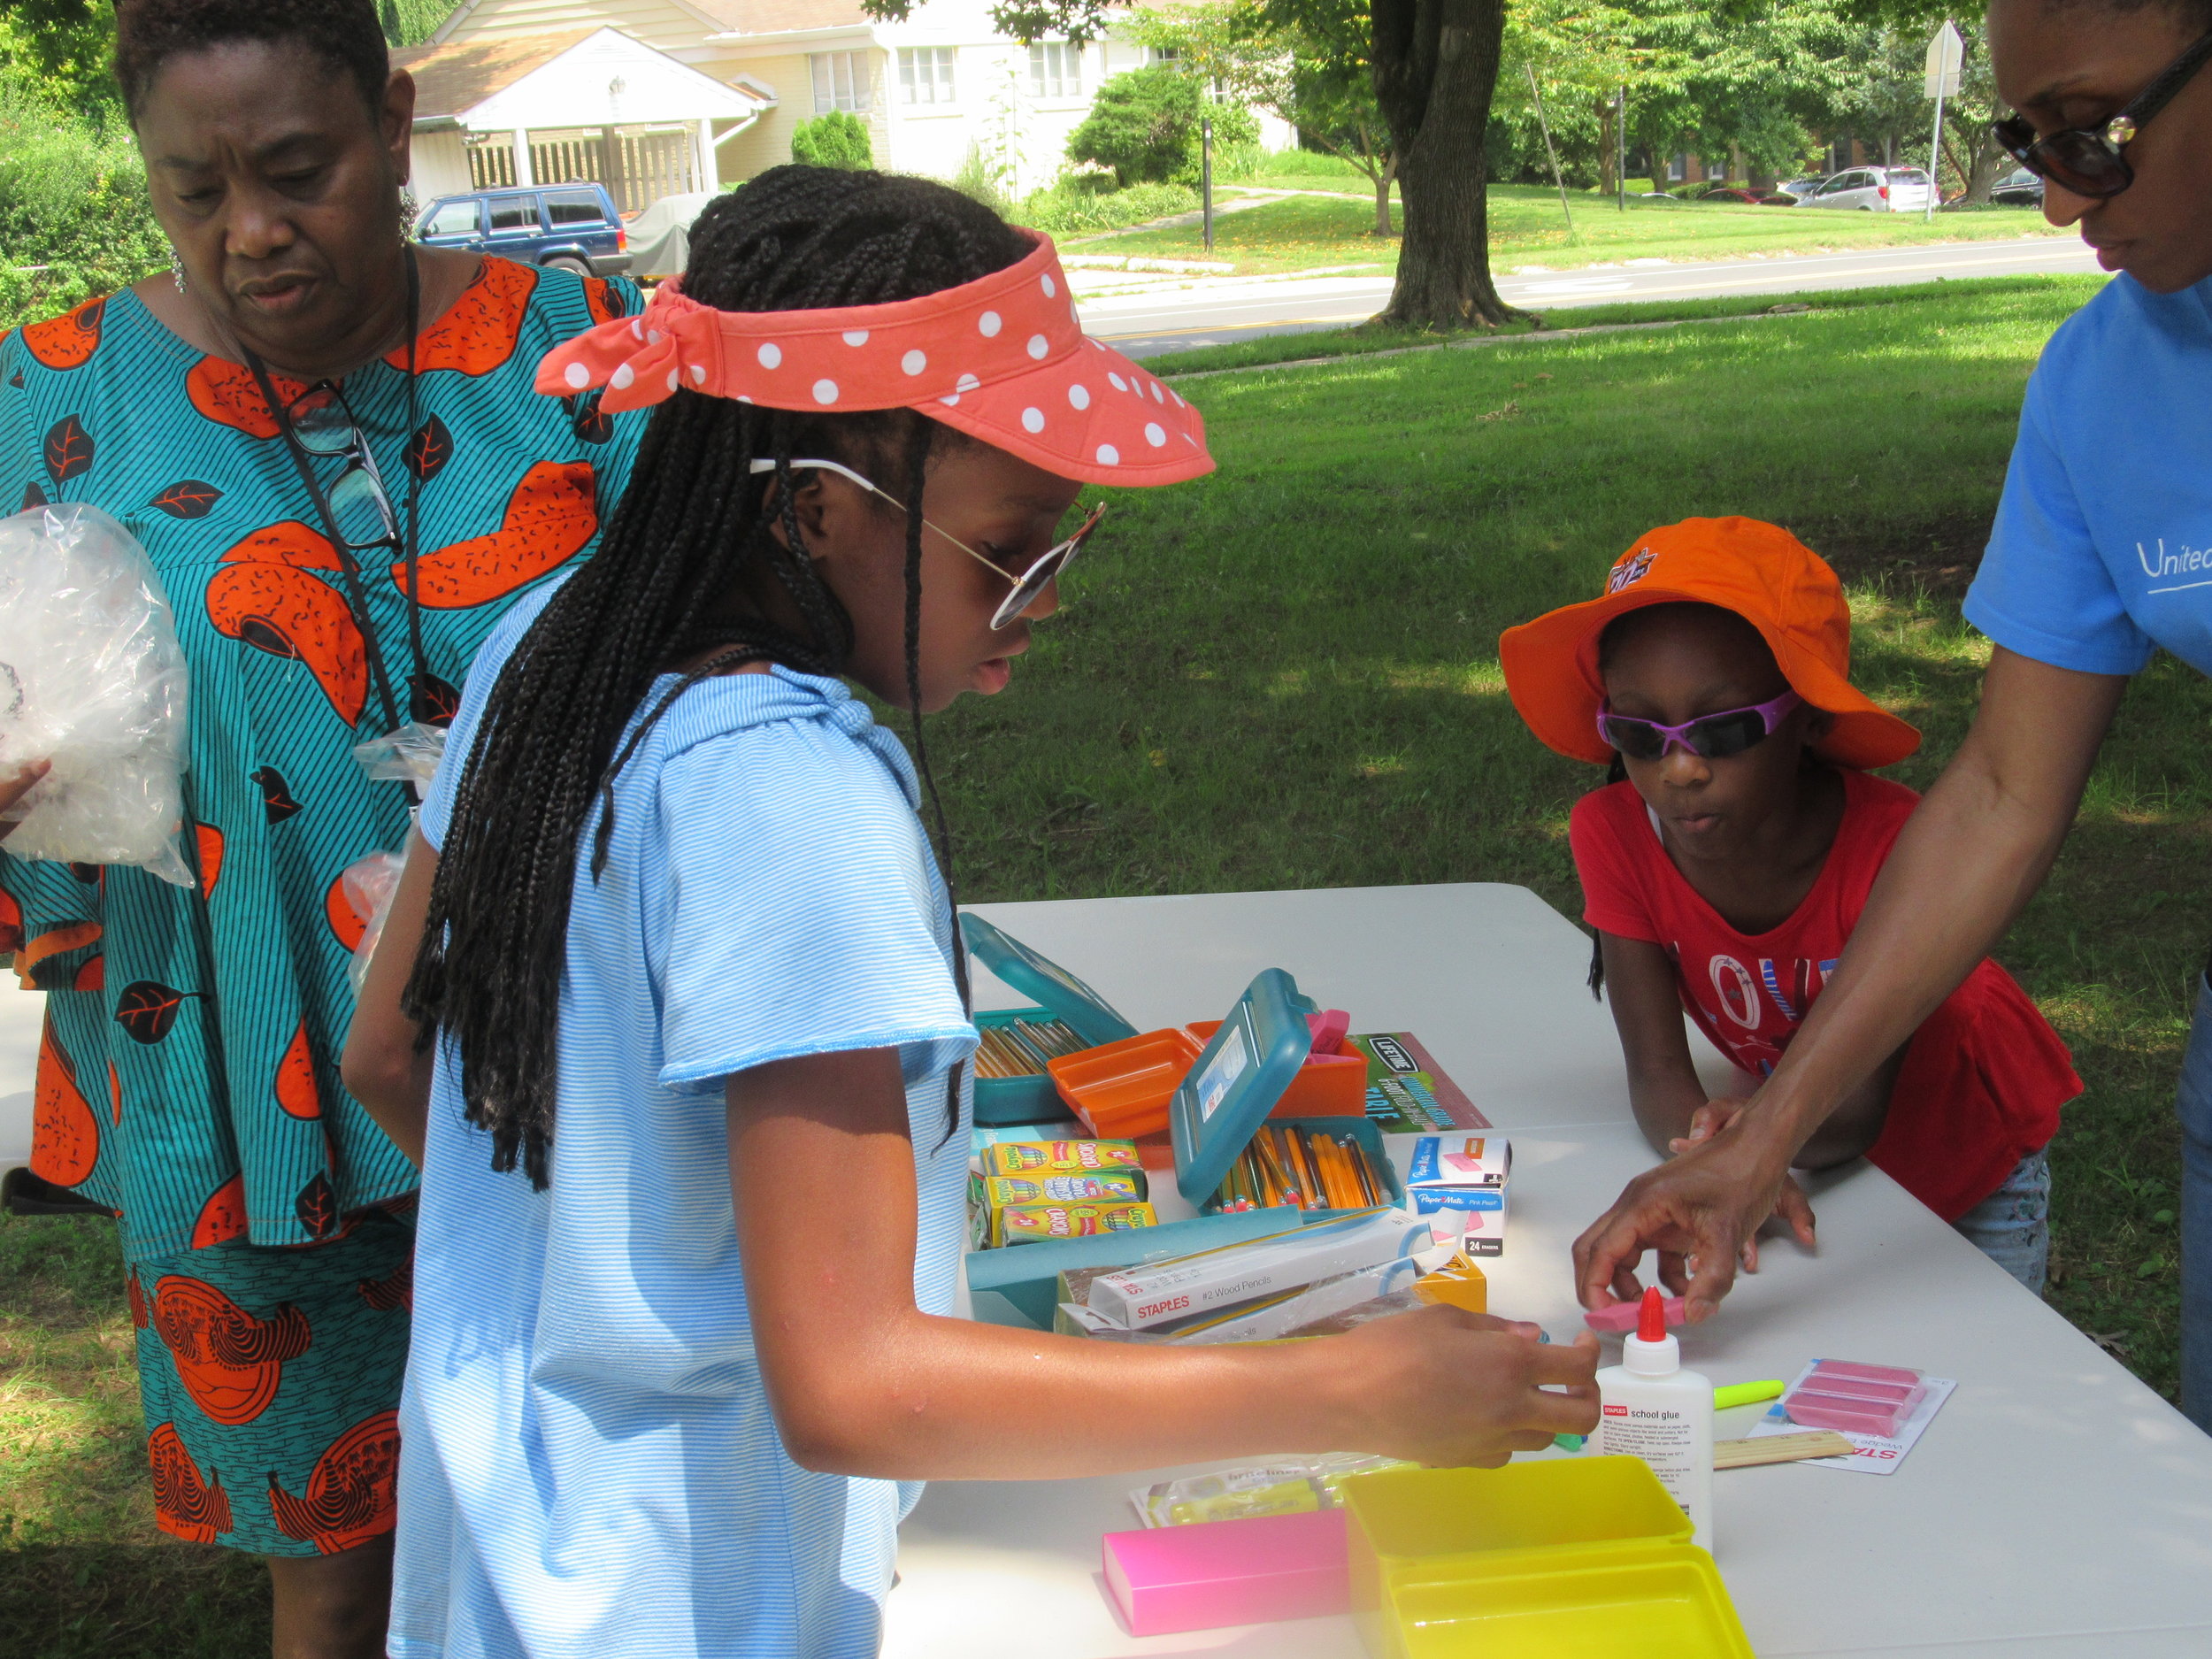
point(692, 535)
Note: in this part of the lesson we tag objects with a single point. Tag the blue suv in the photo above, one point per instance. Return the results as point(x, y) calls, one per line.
point(568, 226)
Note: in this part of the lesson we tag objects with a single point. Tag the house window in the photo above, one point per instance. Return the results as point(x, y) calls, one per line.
point(841, 80)
point(925, 74)
point(1055, 70)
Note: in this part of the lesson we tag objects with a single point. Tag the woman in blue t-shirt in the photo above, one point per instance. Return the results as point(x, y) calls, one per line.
point(2102, 552)
point(696, 1147)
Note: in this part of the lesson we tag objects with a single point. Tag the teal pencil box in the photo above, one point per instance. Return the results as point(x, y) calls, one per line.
point(1237, 1079)
point(1058, 995)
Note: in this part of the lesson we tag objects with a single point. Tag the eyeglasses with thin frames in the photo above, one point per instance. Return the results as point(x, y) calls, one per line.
point(2089, 160)
point(325, 425)
point(1033, 581)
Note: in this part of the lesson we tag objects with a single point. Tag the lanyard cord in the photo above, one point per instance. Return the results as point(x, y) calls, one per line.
point(356, 597)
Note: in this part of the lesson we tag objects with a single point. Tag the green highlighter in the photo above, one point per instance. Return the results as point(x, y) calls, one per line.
point(1746, 1393)
point(1743, 1393)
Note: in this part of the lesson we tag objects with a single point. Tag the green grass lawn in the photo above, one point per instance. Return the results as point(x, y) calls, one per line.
point(1284, 675)
point(1525, 228)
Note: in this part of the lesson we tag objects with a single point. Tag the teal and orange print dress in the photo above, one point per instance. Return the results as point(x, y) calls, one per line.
point(188, 1080)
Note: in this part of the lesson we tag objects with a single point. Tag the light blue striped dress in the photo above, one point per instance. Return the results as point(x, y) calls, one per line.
point(591, 1469)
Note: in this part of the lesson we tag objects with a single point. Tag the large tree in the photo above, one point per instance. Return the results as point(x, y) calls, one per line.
point(1435, 67)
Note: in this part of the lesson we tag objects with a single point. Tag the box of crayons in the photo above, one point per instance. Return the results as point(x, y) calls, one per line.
point(1229, 1156)
point(1011, 1085)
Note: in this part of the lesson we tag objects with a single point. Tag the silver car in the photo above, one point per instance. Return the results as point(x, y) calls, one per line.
point(1873, 190)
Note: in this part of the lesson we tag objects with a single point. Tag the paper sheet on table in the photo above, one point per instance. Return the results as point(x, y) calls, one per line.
point(1873, 1454)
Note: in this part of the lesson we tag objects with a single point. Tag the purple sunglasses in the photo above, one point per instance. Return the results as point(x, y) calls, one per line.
point(1709, 736)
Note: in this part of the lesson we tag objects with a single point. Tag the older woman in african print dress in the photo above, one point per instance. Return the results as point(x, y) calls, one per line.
point(188, 1076)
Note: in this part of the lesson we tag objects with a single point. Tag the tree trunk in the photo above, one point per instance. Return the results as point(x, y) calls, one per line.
point(1436, 66)
point(1608, 148)
point(1383, 177)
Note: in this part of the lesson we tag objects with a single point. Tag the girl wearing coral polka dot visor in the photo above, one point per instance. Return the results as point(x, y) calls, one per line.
point(696, 1139)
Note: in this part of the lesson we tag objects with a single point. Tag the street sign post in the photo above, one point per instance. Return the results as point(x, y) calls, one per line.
point(1206, 177)
point(1946, 55)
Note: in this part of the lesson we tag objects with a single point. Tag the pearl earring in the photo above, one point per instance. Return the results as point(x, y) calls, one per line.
point(176, 267)
point(408, 209)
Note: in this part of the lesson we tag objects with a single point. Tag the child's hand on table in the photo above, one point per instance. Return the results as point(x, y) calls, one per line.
point(1455, 1389)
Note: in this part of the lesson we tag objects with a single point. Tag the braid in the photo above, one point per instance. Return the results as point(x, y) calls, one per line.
point(691, 538)
point(1617, 773)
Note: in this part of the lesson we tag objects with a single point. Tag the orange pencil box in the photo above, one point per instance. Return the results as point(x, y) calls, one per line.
point(1123, 1090)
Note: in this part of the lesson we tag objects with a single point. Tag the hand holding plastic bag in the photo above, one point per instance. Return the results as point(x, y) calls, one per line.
point(92, 680)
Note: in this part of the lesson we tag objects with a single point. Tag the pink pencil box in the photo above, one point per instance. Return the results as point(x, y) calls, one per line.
point(1213, 1573)
point(1856, 1399)
point(1621, 1316)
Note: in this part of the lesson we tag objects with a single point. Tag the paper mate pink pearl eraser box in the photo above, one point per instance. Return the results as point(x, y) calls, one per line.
point(1461, 1182)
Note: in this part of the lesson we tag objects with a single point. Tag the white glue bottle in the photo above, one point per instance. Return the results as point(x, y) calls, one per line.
point(1651, 1408)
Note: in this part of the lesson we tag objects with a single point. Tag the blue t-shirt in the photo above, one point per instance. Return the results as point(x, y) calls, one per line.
point(2102, 547)
point(592, 1470)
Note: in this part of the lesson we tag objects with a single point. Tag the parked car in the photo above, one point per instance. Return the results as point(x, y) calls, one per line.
point(1735, 193)
point(565, 226)
point(1873, 190)
point(660, 237)
point(1798, 190)
point(2017, 188)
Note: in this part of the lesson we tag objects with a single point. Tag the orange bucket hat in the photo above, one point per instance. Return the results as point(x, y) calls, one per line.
point(1759, 570)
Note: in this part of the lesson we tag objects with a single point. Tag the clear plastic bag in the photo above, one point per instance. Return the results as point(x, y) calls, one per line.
point(369, 885)
point(91, 679)
point(410, 754)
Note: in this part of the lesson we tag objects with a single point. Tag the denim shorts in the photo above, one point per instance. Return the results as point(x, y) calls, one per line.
point(2012, 1226)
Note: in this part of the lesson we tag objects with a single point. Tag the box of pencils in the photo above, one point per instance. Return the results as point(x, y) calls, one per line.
point(1230, 1154)
point(1011, 1083)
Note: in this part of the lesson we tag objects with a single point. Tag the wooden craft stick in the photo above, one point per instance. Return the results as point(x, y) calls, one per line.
point(1779, 1448)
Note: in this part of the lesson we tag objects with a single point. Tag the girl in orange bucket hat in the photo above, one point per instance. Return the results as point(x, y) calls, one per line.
point(1727, 860)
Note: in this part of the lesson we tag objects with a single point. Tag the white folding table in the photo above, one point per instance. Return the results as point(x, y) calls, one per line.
point(2056, 1507)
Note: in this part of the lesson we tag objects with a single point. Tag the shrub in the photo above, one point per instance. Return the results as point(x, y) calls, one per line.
point(1237, 152)
point(1069, 208)
point(980, 181)
point(1141, 126)
point(73, 200)
point(839, 139)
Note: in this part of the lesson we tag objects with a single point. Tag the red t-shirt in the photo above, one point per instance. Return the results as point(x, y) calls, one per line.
point(1984, 1078)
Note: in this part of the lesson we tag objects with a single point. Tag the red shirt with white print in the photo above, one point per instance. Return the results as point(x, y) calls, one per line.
point(1984, 1078)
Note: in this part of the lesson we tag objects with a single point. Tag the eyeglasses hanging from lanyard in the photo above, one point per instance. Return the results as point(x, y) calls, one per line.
point(2088, 160)
point(356, 511)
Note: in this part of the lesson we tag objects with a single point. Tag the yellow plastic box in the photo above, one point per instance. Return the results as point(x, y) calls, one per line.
point(1566, 1558)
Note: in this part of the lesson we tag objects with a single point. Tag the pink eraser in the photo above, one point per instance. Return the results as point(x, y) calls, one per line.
point(1886, 1393)
point(1329, 1028)
point(1213, 1573)
point(1810, 1410)
point(1865, 1373)
point(1621, 1315)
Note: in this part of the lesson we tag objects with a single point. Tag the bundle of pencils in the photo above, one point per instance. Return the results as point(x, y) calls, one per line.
point(1305, 1168)
point(1021, 1047)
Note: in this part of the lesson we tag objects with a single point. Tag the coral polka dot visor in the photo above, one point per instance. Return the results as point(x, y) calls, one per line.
point(1003, 358)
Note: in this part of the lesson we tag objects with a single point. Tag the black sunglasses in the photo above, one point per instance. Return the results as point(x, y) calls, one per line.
point(2087, 161)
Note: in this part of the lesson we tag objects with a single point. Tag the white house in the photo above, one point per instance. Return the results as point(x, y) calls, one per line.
point(590, 103)
point(934, 91)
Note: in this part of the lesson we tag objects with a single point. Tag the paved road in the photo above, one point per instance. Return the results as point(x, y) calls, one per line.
point(1179, 319)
